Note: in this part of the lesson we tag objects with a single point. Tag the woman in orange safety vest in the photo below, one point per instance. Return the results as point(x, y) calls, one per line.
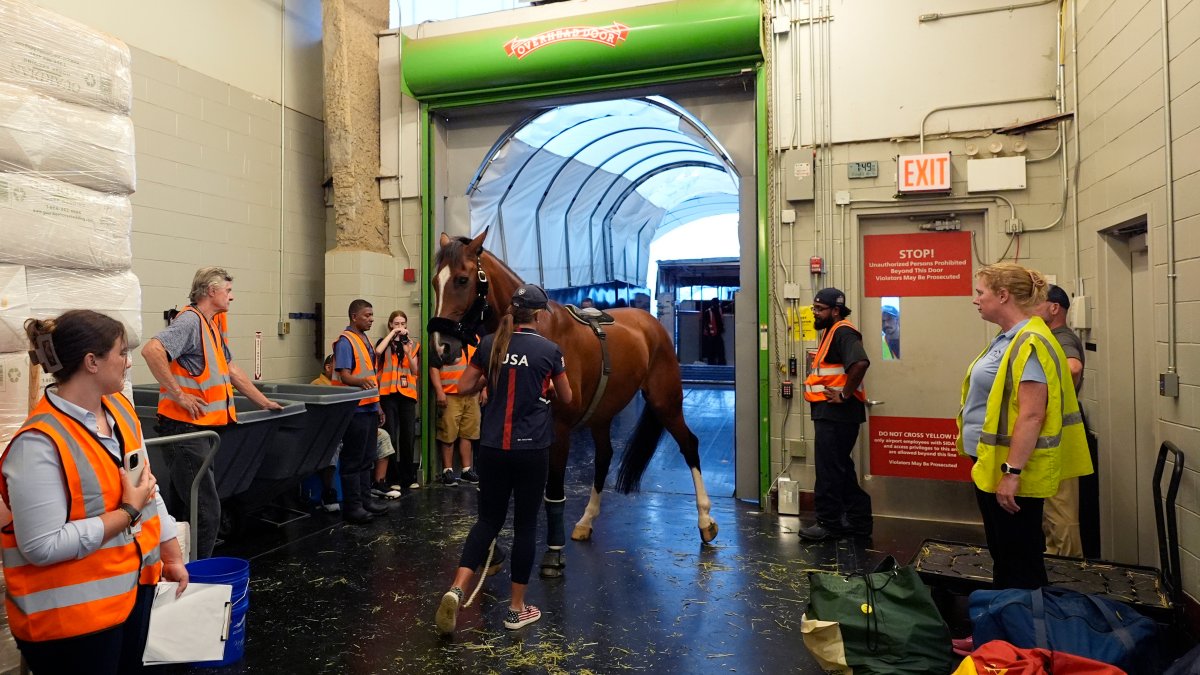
point(86, 543)
point(398, 367)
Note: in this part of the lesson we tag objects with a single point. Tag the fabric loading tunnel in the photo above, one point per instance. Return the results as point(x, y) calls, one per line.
point(573, 163)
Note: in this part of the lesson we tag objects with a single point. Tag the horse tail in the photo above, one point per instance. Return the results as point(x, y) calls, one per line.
point(638, 451)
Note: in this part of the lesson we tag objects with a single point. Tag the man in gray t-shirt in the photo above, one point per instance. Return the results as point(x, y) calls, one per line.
point(1060, 519)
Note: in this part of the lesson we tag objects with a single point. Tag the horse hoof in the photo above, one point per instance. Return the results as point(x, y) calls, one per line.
point(581, 533)
point(709, 533)
point(553, 563)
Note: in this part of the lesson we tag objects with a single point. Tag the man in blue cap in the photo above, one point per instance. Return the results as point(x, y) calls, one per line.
point(835, 389)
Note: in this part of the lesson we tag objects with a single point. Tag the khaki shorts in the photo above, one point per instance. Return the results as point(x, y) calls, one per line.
point(459, 419)
point(383, 445)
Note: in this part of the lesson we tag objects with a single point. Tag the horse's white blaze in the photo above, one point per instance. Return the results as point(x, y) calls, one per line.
point(439, 281)
point(703, 504)
point(591, 512)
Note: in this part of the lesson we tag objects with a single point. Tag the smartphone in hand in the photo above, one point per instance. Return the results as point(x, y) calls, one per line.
point(135, 462)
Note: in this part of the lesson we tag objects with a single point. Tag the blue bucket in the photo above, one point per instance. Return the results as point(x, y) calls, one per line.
point(233, 572)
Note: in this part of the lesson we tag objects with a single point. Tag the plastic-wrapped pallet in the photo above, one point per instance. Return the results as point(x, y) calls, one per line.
point(54, 290)
point(14, 393)
point(63, 58)
point(63, 141)
point(14, 308)
point(48, 223)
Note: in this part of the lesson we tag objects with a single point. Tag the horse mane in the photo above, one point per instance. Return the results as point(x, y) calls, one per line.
point(453, 253)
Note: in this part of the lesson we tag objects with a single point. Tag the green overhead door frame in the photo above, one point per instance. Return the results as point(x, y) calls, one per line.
point(662, 43)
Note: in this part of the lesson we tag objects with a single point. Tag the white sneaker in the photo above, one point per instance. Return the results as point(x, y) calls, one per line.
point(447, 612)
point(383, 491)
point(414, 486)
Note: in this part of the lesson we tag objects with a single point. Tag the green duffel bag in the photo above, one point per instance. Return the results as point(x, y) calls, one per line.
point(882, 622)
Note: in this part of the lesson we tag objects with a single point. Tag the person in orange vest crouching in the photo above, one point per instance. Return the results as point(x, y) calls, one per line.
point(196, 375)
point(354, 366)
point(87, 543)
point(399, 365)
point(834, 388)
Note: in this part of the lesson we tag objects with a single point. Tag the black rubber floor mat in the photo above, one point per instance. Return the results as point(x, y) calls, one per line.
point(962, 568)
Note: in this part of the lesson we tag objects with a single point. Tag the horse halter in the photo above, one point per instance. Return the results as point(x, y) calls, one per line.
point(466, 329)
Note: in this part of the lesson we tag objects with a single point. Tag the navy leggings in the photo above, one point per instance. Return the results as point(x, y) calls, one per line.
point(521, 475)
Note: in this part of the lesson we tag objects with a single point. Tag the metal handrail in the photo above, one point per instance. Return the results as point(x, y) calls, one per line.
point(194, 497)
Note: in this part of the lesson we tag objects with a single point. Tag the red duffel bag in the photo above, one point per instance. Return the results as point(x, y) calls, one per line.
point(998, 657)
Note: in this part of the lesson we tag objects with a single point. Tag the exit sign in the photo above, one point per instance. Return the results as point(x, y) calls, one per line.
point(923, 173)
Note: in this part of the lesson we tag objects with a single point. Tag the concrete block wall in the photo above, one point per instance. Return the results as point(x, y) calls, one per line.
point(210, 176)
point(1122, 177)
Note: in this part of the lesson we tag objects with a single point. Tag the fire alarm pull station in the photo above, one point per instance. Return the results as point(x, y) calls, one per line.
point(816, 265)
point(786, 389)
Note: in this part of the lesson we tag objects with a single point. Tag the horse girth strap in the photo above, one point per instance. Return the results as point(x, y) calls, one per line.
point(605, 371)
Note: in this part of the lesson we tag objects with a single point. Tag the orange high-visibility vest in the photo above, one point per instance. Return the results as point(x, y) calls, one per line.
point(364, 363)
point(451, 373)
point(823, 375)
point(396, 374)
point(77, 597)
point(213, 384)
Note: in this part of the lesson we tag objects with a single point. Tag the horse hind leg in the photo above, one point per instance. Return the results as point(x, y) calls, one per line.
point(664, 394)
point(602, 438)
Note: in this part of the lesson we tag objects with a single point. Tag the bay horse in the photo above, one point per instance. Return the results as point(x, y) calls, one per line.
point(473, 288)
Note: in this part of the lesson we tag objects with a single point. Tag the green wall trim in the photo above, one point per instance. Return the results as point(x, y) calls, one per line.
point(762, 170)
point(428, 244)
point(676, 36)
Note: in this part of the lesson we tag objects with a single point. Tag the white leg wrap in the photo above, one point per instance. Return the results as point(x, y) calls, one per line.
point(591, 512)
point(703, 504)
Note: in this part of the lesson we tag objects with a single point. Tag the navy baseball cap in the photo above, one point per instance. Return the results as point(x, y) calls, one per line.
point(530, 296)
point(1059, 297)
point(833, 297)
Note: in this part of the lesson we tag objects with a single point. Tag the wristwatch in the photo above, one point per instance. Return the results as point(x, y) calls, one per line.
point(134, 514)
point(1010, 470)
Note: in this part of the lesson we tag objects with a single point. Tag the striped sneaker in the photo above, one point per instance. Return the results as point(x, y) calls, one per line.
point(447, 612)
point(523, 618)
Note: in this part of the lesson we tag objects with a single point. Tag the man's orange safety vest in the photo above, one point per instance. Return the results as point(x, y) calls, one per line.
point(78, 597)
point(364, 363)
point(396, 374)
point(823, 375)
point(452, 373)
point(212, 385)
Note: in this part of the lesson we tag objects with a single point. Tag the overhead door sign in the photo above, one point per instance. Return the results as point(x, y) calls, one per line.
point(916, 447)
point(611, 35)
point(930, 264)
point(923, 173)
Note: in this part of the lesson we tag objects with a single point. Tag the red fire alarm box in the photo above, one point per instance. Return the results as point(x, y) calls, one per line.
point(410, 274)
point(816, 265)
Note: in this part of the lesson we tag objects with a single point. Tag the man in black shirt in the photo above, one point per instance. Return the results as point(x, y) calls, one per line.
point(834, 388)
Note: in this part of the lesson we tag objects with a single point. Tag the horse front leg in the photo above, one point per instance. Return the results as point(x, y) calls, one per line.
point(602, 438)
point(554, 561)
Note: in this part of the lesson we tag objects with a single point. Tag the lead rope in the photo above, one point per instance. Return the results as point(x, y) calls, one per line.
point(486, 564)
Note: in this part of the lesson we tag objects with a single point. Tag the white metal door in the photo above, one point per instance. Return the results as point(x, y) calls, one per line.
point(938, 338)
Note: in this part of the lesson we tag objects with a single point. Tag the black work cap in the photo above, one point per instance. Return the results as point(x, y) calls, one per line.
point(1059, 297)
point(831, 297)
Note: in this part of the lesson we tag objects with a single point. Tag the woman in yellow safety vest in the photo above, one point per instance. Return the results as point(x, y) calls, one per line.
point(1019, 422)
point(86, 543)
point(398, 368)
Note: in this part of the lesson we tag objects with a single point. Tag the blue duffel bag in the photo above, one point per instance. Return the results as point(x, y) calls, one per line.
point(1063, 620)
